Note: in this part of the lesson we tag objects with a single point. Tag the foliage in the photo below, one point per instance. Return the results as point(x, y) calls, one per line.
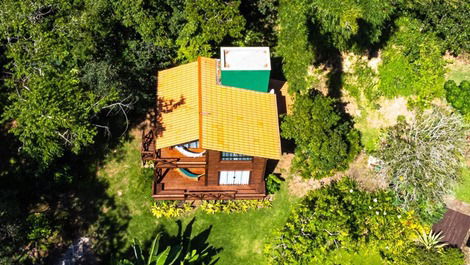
point(422, 160)
point(421, 256)
point(63, 73)
point(207, 24)
point(273, 183)
point(347, 23)
point(458, 95)
point(294, 44)
point(430, 240)
point(171, 209)
point(340, 216)
point(182, 252)
point(325, 142)
point(412, 63)
point(448, 19)
point(233, 206)
point(261, 20)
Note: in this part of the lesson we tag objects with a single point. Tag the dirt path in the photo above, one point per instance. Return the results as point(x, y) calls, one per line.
point(357, 170)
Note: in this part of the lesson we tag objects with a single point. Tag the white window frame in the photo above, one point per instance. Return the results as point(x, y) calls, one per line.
point(234, 177)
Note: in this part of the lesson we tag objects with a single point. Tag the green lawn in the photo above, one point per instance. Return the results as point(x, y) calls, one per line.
point(463, 190)
point(240, 236)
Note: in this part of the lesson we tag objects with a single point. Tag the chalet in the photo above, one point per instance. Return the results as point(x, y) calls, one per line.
point(215, 128)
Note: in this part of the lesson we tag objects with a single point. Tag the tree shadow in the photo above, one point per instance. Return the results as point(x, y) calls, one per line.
point(185, 242)
point(164, 106)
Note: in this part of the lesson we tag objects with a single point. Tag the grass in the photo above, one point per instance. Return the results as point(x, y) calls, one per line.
point(241, 236)
point(458, 72)
point(463, 189)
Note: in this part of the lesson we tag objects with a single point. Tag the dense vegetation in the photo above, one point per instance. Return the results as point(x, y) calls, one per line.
point(340, 223)
point(325, 142)
point(75, 76)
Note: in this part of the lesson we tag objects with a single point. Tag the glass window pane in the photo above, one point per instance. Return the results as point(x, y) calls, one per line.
point(235, 157)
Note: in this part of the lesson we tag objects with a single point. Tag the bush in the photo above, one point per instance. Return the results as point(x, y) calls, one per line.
point(458, 95)
point(325, 141)
point(412, 63)
point(273, 184)
point(340, 217)
point(422, 160)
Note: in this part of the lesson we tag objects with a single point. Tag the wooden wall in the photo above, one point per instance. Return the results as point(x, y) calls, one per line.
point(257, 166)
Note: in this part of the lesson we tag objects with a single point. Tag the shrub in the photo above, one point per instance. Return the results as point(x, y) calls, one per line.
point(342, 217)
point(422, 160)
point(458, 95)
point(273, 184)
point(325, 142)
point(412, 63)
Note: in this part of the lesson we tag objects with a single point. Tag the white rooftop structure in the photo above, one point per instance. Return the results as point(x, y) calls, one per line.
point(245, 58)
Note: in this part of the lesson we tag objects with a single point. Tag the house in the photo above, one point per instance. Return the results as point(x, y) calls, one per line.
point(216, 126)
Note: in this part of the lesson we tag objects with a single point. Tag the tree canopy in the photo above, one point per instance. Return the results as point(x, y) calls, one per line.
point(325, 142)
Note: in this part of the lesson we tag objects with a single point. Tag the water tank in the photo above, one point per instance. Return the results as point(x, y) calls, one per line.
point(245, 67)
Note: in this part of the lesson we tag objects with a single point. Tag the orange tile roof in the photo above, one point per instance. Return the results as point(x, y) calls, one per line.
point(222, 118)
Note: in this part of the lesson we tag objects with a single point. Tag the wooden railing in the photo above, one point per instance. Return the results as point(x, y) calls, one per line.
point(147, 150)
point(210, 195)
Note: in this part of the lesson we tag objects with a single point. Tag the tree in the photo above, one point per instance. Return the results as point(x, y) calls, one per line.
point(208, 23)
point(325, 141)
point(412, 63)
point(294, 44)
point(345, 24)
point(70, 65)
point(448, 19)
point(422, 160)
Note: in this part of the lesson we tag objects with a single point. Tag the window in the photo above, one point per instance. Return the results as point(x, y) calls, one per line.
point(193, 144)
point(241, 177)
point(232, 156)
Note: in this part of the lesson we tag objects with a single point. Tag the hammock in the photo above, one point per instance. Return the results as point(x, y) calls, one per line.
point(189, 153)
point(186, 173)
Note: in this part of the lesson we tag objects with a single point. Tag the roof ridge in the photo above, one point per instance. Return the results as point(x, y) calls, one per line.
point(199, 92)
